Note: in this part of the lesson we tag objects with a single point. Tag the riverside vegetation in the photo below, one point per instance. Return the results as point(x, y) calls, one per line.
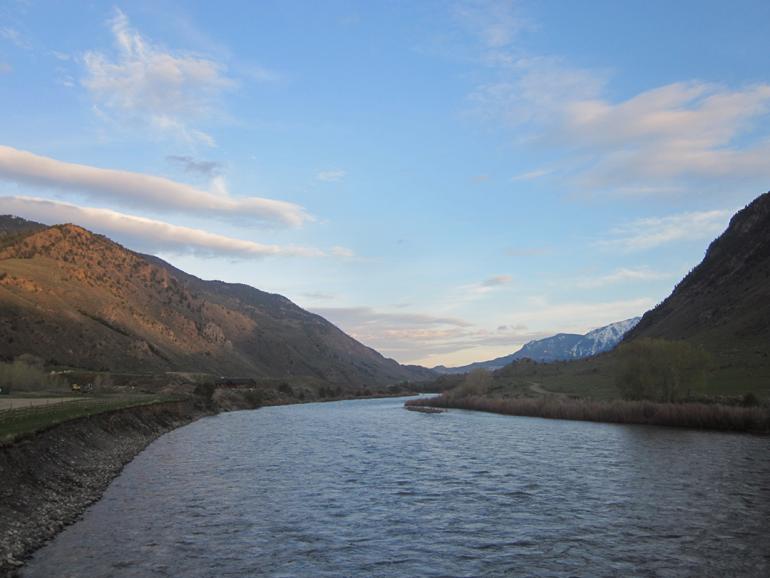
point(654, 379)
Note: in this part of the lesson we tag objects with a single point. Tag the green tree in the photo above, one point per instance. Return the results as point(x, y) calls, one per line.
point(659, 370)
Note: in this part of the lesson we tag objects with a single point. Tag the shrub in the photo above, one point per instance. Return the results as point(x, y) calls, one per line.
point(27, 373)
point(477, 382)
point(659, 370)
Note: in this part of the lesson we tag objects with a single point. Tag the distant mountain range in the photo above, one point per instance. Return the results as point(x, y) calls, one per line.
point(560, 347)
point(78, 299)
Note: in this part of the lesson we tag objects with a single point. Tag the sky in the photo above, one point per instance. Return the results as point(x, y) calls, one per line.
point(444, 180)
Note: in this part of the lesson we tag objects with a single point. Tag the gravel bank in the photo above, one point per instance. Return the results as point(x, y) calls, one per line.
point(48, 480)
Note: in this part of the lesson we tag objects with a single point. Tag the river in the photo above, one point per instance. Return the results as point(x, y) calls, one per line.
point(364, 488)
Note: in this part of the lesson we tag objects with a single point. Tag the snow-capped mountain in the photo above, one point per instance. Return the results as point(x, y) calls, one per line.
point(603, 338)
point(559, 347)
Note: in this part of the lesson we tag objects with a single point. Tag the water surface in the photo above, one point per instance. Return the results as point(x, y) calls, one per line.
point(364, 488)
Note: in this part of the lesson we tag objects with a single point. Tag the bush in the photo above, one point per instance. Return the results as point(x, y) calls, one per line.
point(27, 373)
point(659, 370)
point(477, 382)
point(750, 400)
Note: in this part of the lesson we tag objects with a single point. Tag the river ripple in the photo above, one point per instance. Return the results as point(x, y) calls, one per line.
point(364, 488)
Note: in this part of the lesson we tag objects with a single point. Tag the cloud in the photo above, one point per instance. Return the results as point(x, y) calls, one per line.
point(474, 291)
point(577, 317)
point(332, 176)
point(431, 339)
point(15, 37)
point(149, 191)
point(412, 337)
point(670, 136)
point(651, 232)
point(675, 139)
point(338, 251)
point(148, 235)
point(192, 165)
point(163, 89)
point(318, 295)
point(496, 281)
point(495, 22)
point(622, 275)
point(531, 91)
point(5, 68)
point(531, 175)
point(366, 316)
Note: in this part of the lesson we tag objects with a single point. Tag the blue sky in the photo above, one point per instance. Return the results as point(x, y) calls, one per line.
point(443, 180)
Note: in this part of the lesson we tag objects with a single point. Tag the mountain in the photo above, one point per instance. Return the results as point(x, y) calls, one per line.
point(559, 347)
point(79, 299)
point(723, 304)
point(602, 339)
point(11, 227)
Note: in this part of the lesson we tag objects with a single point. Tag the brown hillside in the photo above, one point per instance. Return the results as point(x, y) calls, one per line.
point(79, 299)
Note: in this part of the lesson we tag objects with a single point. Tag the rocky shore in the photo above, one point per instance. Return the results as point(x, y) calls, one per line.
point(49, 479)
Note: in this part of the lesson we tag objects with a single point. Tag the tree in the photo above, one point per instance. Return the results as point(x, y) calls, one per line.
point(659, 370)
point(477, 382)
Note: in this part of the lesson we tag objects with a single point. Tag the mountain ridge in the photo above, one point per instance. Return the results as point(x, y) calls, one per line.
point(559, 347)
point(79, 299)
point(723, 304)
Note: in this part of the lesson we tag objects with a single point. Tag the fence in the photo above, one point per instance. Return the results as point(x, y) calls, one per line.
point(26, 409)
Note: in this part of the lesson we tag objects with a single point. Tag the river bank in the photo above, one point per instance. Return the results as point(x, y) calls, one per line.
point(50, 478)
point(690, 415)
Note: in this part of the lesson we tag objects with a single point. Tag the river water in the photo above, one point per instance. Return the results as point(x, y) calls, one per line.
point(364, 488)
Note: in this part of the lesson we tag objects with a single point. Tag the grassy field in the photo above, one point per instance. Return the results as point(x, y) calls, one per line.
point(594, 378)
point(19, 422)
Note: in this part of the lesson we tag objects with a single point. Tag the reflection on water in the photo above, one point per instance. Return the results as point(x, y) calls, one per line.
point(364, 488)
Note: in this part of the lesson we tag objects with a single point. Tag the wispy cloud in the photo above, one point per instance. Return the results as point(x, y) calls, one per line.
point(129, 188)
point(669, 136)
point(531, 175)
point(495, 22)
point(675, 139)
point(622, 275)
point(496, 281)
point(474, 291)
point(15, 37)
point(149, 235)
point(338, 251)
point(578, 317)
point(196, 166)
point(651, 232)
point(331, 176)
point(415, 337)
point(318, 295)
point(164, 90)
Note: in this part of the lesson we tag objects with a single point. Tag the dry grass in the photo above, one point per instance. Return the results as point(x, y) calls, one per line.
point(692, 415)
